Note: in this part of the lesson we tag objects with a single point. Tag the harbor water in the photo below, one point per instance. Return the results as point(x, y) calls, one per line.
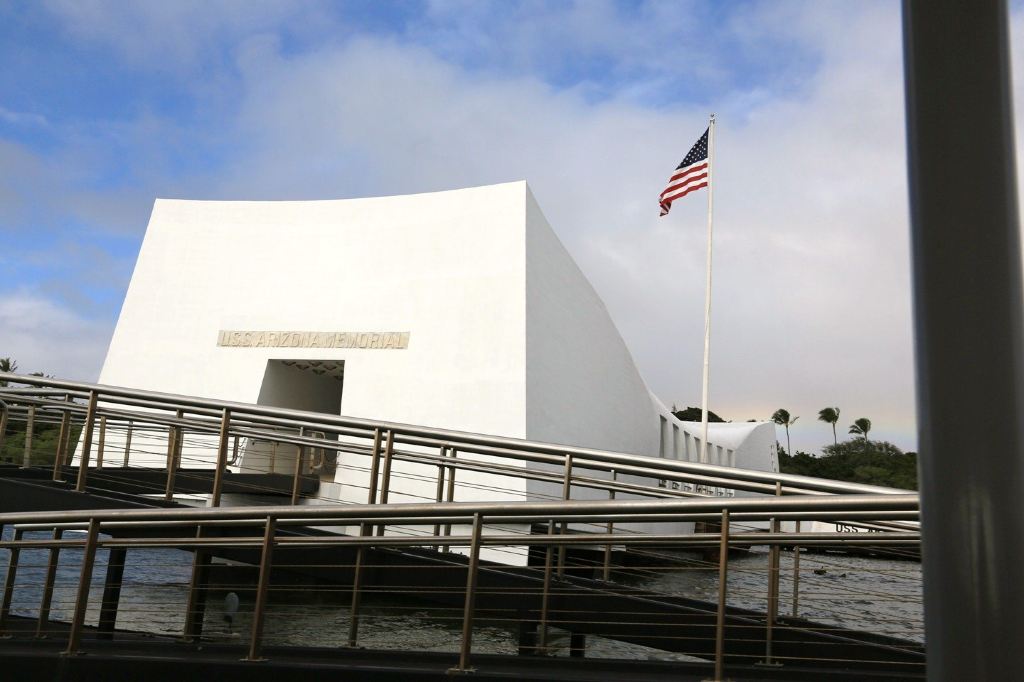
point(878, 595)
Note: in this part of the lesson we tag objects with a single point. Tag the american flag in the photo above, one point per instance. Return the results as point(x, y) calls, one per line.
point(689, 176)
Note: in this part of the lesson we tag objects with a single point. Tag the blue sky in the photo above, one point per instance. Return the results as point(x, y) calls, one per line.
point(105, 106)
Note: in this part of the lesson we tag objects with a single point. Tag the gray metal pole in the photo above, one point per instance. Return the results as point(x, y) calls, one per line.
point(3, 423)
point(357, 573)
point(82, 600)
point(102, 442)
point(127, 444)
point(259, 612)
point(12, 574)
point(968, 334)
point(222, 457)
point(83, 463)
point(195, 611)
point(440, 486)
point(450, 493)
point(174, 435)
point(112, 592)
point(723, 595)
point(42, 623)
point(371, 487)
point(471, 580)
point(26, 460)
point(62, 444)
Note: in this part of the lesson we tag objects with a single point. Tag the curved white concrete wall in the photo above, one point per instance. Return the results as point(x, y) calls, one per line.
point(505, 334)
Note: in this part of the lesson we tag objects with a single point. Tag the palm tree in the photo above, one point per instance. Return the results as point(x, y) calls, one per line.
point(861, 427)
point(830, 415)
point(782, 418)
point(9, 366)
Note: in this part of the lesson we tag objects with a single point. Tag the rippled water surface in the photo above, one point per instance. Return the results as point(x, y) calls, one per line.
point(878, 595)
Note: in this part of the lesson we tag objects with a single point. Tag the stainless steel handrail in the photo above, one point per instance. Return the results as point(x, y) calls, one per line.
point(462, 441)
point(600, 510)
point(137, 529)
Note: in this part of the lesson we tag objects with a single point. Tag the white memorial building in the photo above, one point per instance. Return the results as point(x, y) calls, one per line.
point(459, 310)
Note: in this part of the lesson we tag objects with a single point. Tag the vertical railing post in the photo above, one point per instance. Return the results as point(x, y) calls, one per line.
point(222, 457)
point(449, 495)
point(30, 421)
point(195, 611)
point(357, 577)
point(300, 457)
point(127, 444)
point(111, 592)
point(545, 597)
point(174, 437)
point(439, 490)
point(12, 574)
point(385, 485)
point(371, 487)
point(607, 571)
point(796, 575)
point(389, 453)
point(471, 582)
point(84, 580)
point(51, 576)
point(83, 463)
point(4, 409)
point(773, 596)
point(102, 442)
point(723, 575)
point(773, 588)
point(62, 445)
point(566, 494)
point(260, 610)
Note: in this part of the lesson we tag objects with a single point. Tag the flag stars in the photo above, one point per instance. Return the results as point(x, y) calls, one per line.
point(690, 175)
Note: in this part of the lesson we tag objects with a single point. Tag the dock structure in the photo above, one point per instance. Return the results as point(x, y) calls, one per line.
point(551, 574)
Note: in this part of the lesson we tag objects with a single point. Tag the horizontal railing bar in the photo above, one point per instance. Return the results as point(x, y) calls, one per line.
point(430, 520)
point(598, 509)
point(543, 540)
point(456, 438)
point(491, 520)
point(212, 427)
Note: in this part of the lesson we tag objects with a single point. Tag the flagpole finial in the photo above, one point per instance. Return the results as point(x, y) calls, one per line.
point(712, 116)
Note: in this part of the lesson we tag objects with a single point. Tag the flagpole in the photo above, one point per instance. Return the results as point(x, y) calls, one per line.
point(707, 296)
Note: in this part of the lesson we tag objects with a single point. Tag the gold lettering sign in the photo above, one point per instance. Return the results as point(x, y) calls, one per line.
point(286, 339)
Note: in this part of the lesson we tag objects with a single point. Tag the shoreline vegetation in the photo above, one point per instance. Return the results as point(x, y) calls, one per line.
point(873, 462)
point(857, 460)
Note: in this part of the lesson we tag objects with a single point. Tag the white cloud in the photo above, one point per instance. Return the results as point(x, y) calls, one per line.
point(21, 118)
point(44, 336)
point(180, 36)
point(812, 293)
point(812, 272)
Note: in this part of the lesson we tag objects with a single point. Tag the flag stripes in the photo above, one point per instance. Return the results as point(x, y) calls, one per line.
point(690, 175)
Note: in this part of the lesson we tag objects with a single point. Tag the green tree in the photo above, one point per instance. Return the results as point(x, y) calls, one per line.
point(693, 414)
point(857, 461)
point(782, 418)
point(861, 427)
point(830, 415)
point(9, 366)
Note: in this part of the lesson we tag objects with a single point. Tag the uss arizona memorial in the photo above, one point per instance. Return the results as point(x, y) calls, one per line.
point(458, 309)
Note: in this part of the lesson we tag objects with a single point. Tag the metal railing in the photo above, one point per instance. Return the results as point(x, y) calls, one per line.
point(142, 428)
point(557, 537)
point(548, 600)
